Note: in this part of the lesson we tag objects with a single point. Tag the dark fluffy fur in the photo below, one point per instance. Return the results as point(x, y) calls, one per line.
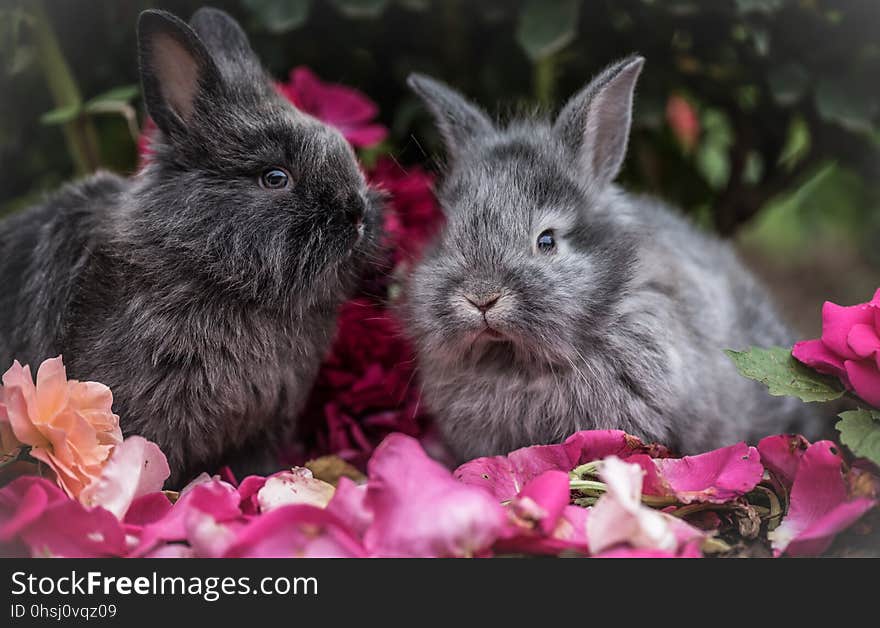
point(205, 301)
point(621, 326)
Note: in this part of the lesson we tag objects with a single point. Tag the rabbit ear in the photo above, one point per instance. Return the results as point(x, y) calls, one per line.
point(226, 41)
point(459, 120)
point(596, 121)
point(176, 70)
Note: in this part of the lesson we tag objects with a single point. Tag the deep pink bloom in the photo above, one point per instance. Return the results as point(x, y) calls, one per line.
point(820, 505)
point(413, 215)
point(342, 107)
point(782, 455)
point(717, 476)
point(293, 532)
point(420, 510)
point(849, 348)
point(504, 476)
point(366, 388)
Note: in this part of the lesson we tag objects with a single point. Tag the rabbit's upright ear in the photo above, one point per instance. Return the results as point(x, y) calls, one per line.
point(596, 121)
point(459, 120)
point(176, 70)
point(227, 43)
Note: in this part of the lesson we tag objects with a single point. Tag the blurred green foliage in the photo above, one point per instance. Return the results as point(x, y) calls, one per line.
point(785, 94)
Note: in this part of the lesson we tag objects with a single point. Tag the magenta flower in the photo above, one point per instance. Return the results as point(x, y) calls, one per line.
point(717, 476)
point(342, 107)
point(420, 510)
point(820, 505)
point(849, 348)
point(504, 476)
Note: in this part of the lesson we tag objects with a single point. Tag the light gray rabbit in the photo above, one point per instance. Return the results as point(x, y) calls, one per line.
point(554, 301)
point(204, 290)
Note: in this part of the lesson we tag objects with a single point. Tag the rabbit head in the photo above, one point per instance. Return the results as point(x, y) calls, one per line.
point(537, 247)
point(243, 190)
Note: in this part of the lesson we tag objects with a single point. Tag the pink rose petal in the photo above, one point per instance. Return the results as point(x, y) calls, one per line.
point(619, 517)
point(819, 504)
point(782, 455)
point(297, 531)
point(504, 476)
point(420, 510)
point(213, 497)
point(348, 506)
point(137, 467)
point(816, 355)
point(863, 340)
point(296, 486)
point(716, 476)
point(543, 499)
point(837, 321)
point(864, 376)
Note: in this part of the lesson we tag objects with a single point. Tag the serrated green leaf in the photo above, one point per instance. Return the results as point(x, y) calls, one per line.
point(279, 16)
point(785, 376)
point(860, 431)
point(547, 26)
point(361, 8)
point(62, 115)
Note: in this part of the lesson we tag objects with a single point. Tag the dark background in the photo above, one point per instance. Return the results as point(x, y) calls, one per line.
point(760, 118)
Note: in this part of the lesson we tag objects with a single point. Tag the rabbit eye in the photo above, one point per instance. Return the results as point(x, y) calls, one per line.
point(546, 242)
point(274, 179)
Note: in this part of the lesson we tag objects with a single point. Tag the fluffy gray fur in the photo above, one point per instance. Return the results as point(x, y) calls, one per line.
point(621, 326)
point(204, 300)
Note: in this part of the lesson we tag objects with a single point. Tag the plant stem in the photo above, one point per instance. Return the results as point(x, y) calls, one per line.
point(545, 80)
point(79, 134)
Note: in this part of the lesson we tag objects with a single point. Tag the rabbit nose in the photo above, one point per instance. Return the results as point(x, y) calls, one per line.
point(483, 302)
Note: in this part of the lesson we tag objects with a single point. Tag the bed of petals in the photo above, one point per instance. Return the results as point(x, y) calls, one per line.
point(368, 477)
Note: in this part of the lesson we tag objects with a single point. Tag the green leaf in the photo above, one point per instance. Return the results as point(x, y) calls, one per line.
point(547, 26)
point(279, 16)
point(852, 106)
point(121, 94)
point(783, 375)
point(860, 431)
point(788, 83)
point(759, 6)
point(62, 115)
point(361, 8)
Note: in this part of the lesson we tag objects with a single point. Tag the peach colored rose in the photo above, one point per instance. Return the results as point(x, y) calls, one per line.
point(68, 424)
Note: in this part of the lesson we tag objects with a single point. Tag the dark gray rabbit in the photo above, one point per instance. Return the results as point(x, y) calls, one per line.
point(203, 290)
point(554, 301)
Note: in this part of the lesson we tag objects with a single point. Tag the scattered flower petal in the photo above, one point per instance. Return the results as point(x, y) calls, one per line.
point(820, 505)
